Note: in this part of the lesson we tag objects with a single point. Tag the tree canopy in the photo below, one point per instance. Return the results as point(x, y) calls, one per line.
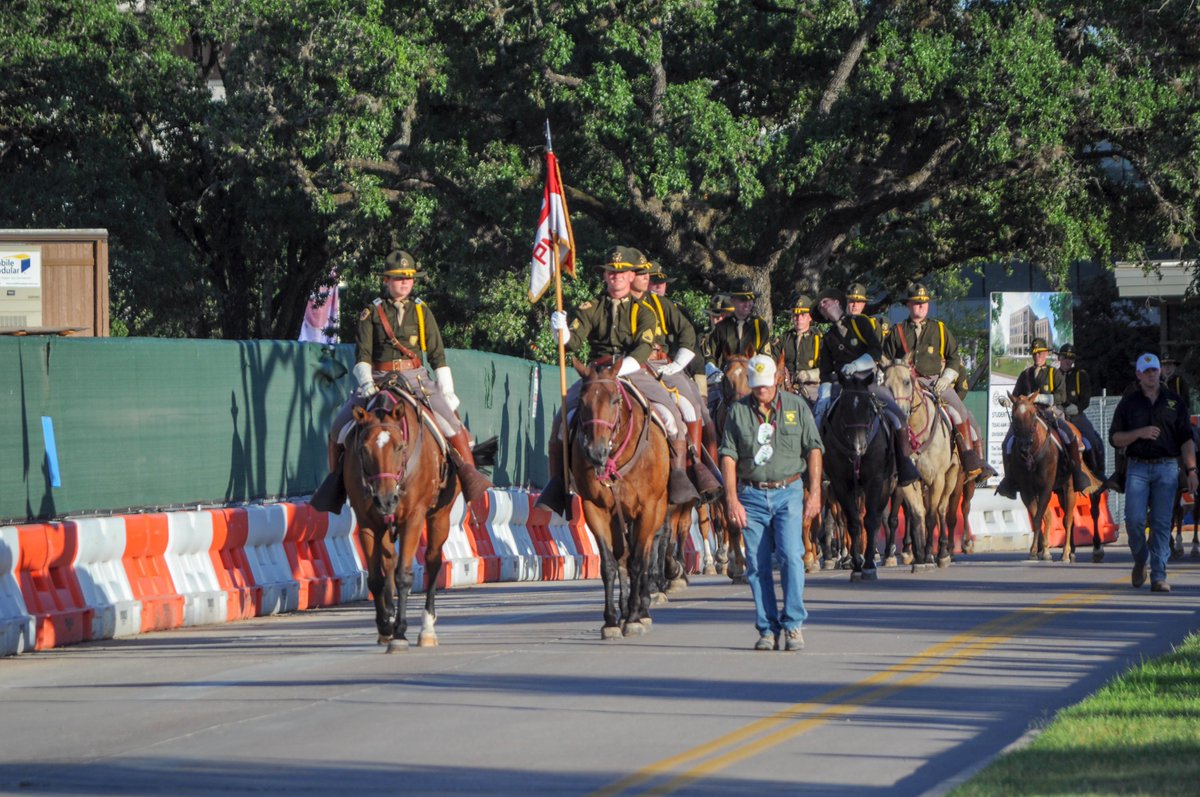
point(796, 142)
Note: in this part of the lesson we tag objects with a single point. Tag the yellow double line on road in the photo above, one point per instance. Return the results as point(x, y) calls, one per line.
point(677, 772)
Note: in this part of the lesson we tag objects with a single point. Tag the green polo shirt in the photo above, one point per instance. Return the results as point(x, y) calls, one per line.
point(795, 436)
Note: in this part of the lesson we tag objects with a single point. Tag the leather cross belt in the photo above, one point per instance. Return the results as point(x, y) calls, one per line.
point(401, 364)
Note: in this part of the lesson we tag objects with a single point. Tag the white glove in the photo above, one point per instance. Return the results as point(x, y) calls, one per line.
point(446, 384)
point(628, 366)
point(809, 375)
point(865, 362)
point(1004, 400)
point(558, 323)
point(683, 358)
point(366, 381)
point(1071, 410)
point(945, 381)
point(1045, 399)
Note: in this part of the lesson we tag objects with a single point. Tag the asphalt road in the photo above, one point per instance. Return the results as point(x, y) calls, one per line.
point(906, 685)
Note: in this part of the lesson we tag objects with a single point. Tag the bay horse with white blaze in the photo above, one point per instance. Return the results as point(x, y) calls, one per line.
point(620, 461)
point(398, 479)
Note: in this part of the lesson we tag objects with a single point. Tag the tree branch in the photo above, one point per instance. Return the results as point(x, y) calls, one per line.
point(841, 74)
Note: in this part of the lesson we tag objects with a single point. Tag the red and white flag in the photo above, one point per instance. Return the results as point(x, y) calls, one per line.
point(554, 230)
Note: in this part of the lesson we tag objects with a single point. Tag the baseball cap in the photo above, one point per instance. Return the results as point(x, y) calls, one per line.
point(761, 371)
point(1146, 362)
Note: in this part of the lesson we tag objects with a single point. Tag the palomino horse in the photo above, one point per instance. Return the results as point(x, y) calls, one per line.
point(925, 502)
point(861, 466)
point(620, 461)
point(398, 478)
point(1037, 467)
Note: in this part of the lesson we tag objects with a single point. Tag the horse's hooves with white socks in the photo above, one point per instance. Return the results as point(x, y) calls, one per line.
point(891, 561)
point(610, 632)
point(634, 629)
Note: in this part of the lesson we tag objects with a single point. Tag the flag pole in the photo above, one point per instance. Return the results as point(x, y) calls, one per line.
point(562, 353)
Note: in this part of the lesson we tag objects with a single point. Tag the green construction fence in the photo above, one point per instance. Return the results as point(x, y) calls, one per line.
point(146, 423)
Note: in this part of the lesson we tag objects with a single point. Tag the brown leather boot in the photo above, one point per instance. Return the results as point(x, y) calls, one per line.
point(988, 471)
point(706, 483)
point(474, 484)
point(972, 463)
point(679, 486)
point(554, 497)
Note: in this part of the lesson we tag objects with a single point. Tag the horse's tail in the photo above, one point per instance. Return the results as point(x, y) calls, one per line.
point(485, 451)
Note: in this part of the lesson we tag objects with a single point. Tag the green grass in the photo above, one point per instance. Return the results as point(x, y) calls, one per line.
point(1140, 734)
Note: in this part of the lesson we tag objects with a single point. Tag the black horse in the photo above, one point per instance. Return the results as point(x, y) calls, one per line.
point(861, 468)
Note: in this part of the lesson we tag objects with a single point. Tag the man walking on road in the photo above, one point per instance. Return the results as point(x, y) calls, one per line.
point(1152, 424)
point(770, 442)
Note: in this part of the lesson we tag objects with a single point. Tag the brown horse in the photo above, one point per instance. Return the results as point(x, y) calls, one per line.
point(960, 504)
point(620, 461)
point(1038, 468)
point(735, 384)
point(399, 479)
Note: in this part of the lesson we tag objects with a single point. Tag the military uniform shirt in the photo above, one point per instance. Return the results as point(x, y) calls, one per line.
point(794, 437)
point(800, 351)
point(676, 330)
point(1044, 380)
point(1078, 387)
point(1179, 385)
point(933, 350)
point(374, 345)
point(631, 335)
point(753, 337)
point(844, 342)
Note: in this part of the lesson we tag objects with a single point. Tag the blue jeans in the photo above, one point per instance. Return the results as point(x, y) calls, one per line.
point(775, 522)
point(1153, 485)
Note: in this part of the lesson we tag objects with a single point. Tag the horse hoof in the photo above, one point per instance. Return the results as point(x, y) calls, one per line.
point(870, 575)
point(829, 564)
point(811, 567)
point(382, 639)
point(1046, 556)
point(855, 576)
point(610, 632)
point(891, 561)
point(906, 558)
point(647, 622)
point(968, 546)
point(677, 585)
point(739, 580)
point(1196, 551)
point(425, 640)
point(634, 629)
point(710, 570)
point(944, 561)
point(1098, 556)
point(397, 646)
point(1068, 559)
point(659, 599)
point(1033, 557)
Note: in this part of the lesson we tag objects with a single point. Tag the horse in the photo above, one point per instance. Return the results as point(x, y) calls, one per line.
point(925, 502)
point(620, 461)
point(1040, 468)
point(860, 466)
point(398, 479)
point(735, 385)
point(1177, 513)
point(960, 505)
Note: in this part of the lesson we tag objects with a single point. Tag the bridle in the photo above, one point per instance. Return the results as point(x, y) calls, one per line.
point(401, 429)
point(610, 470)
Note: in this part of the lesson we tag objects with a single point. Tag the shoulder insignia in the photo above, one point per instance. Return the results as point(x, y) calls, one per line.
point(586, 305)
point(365, 314)
point(417, 301)
point(648, 335)
point(576, 324)
point(377, 300)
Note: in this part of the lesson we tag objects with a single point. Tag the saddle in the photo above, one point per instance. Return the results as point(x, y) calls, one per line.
point(394, 392)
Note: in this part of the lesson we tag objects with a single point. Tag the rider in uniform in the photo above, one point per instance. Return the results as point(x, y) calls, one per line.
point(674, 352)
point(1172, 380)
point(849, 346)
point(856, 304)
point(933, 351)
point(743, 332)
point(619, 326)
point(1048, 382)
point(393, 332)
point(801, 347)
point(1079, 395)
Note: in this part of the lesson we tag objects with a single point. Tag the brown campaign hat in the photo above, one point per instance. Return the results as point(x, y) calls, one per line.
point(624, 258)
point(400, 264)
point(857, 292)
point(917, 292)
point(742, 288)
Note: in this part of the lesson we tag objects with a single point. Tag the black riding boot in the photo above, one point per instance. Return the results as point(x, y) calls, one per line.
point(554, 497)
point(679, 487)
point(906, 471)
point(331, 495)
point(1005, 488)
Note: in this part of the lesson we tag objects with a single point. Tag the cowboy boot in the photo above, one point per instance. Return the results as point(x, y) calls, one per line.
point(331, 496)
point(973, 464)
point(906, 470)
point(679, 486)
point(1006, 489)
point(988, 471)
point(554, 497)
point(474, 484)
point(706, 483)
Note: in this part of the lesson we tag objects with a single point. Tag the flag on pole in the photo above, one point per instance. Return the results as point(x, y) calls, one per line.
point(554, 230)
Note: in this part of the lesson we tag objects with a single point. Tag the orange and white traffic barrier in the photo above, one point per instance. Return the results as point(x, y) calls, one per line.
point(100, 568)
point(150, 578)
point(344, 556)
point(189, 559)
point(17, 628)
point(266, 528)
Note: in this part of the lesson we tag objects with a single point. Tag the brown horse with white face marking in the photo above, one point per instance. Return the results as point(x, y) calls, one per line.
point(1034, 468)
point(399, 480)
point(620, 461)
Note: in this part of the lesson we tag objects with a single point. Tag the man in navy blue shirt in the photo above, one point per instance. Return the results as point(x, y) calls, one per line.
point(1152, 424)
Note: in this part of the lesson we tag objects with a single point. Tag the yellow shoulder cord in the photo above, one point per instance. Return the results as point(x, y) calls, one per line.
point(633, 318)
point(421, 322)
point(942, 333)
point(658, 308)
point(757, 336)
point(1077, 388)
point(1050, 373)
point(816, 350)
point(857, 334)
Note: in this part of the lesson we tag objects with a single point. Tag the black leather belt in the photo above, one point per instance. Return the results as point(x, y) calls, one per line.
point(1158, 461)
point(769, 485)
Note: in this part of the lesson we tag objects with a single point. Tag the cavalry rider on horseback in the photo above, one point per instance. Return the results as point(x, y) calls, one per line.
point(801, 350)
point(393, 332)
point(850, 346)
point(619, 326)
point(856, 304)
point(743, 332)
point(933, 352)
point(1078, 386)
point(673, 355)
point(1049, 384)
